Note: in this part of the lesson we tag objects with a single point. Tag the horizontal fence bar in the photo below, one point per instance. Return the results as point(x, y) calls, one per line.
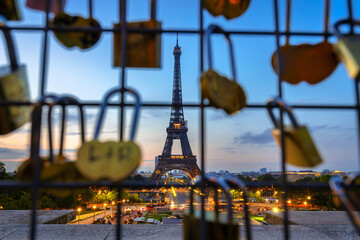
point(190, 105)
point(150, 31)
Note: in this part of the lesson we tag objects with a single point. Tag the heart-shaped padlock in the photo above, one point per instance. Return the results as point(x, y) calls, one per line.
point(80, 39)
point(219, 90)
point(228, 8)
point(305, 62)
point(10, 10)
point(110, 160)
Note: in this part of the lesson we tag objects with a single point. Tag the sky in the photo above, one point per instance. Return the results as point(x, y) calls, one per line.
point(240, 142)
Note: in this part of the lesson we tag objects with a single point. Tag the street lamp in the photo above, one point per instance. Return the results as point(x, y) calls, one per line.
point(104, 209)
point(112, 210)
point(79, 210)
point(94, 207)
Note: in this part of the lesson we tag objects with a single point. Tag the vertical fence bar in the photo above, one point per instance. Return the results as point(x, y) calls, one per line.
point(283, 150)
point(202, 124)
point(45, 50)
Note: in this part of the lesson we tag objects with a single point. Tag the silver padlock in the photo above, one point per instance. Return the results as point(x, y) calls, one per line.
point(13, 88)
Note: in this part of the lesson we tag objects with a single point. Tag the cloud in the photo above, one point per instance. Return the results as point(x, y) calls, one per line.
point(253, 138)
point(12, 153)
point(324, 127)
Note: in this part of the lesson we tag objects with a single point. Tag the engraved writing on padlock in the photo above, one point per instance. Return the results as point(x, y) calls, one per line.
point(142, 50)
point(110, 160)
point(14, 88)
point(220, 91)
point(10, 9)
point(228, 8)
point(55, 5)
point(348, 49)
point(300, 148)
point(305, 62)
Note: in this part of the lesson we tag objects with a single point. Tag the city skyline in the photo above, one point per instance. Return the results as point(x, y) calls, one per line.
point(240, 142)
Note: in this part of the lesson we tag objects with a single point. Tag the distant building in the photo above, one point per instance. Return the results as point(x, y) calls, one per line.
point(293, 176)
point(335, 173)
point(263, 171)
point(156, 161)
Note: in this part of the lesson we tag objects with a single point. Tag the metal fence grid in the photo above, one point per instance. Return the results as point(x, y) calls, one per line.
point(37, 184)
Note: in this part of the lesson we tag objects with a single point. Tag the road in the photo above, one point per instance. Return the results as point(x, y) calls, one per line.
point(90, 219)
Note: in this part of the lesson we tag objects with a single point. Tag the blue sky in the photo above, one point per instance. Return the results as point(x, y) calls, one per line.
point(239, 142)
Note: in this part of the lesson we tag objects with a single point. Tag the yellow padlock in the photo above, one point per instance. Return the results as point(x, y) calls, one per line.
point(220, 91)
point(348, 49)
point(110, 160)
point(14, 87)
point(10, 10)
point(300, 150)
point(143, 50)
point(228, 8)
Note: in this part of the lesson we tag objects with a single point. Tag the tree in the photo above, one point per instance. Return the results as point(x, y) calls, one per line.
point(244, 178)
point(3, 174)
point(266, 178)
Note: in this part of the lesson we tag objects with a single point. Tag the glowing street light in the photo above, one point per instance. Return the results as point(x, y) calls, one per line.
point(79, 210)
point(94, 207)
point(275, 209)
point(104, 209)
point(308, 197)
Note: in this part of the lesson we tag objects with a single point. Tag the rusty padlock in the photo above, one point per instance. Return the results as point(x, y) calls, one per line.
point(55, 5)
point(219, 90)
point(305, 62)
point(110, 160)
point(13, 88)
point(143, 50)
point(300, 150)
point(348, 48)
point(228, 8)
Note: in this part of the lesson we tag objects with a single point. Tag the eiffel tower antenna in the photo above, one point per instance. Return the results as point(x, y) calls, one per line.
point(177, 130)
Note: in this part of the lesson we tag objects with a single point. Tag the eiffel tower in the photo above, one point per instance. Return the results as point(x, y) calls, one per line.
point(177, 130)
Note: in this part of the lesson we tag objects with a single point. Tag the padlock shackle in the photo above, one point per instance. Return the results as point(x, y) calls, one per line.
point(337, 186)
point(10, 46)
point(215, 28)
point(216, 182)
point(342, 22)
point(90, 8)
point(238, 183)
point(278, 102)
point(105, 102)
point(64, 101)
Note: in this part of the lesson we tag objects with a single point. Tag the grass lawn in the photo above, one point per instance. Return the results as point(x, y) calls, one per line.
point(158, 216)
point(257, 218)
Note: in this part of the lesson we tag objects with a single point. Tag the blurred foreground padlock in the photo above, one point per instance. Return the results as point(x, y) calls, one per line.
point(9, 9)
point(219, 90)
point(218, 225)
point(110, 160)
point(13, 88)
point(80, 39)
point(228, 8)
point(305, 62)
point(55, 5)
point(348, 49)
point(143, 50)
point(300, 149)
point(61, 169)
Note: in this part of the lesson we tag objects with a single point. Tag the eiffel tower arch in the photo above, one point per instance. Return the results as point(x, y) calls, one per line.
point(177, 130)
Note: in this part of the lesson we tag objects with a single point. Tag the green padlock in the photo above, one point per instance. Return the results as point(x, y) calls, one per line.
point(348, 48)
point(300, 148)
point(14, 88)
point(218, 226)
point(220, 91)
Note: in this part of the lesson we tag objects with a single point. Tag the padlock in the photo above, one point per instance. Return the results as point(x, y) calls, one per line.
point(62, 169)
point(80, 39)
point(238, 183)
point(55, 5)
point(143, 50)
point(13, 88)
point(218, 226)
point(300, 150)
point(228, 8)
point(110, 160)
point(26, 169)
point(348, 48)
point(305, 62)
point(9, 9)
point(219, 90)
